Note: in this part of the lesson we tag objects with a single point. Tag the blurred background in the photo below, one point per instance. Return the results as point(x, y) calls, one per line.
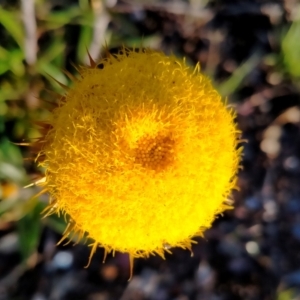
point(251, 50)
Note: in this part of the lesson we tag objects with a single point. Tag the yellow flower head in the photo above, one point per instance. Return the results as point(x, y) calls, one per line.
point(141, 154)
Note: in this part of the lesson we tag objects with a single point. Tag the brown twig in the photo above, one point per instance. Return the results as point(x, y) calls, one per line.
point(28, 16)
point(102, 19)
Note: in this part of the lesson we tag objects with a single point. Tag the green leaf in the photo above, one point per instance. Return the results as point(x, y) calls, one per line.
point(55, 49)
point(16, 62)
point(29, 230)
point(235, 80)
point(11, 90)
point(58, 19)
point(57, 223)
point(13, 25)
point(47, 69)
point(85, 38)
point(10, 153)
point(11, 162)
point(7, 205)
point(11, 172)
point(12, 60)
point(4, 56)
point(287, 294)
point(291, 49)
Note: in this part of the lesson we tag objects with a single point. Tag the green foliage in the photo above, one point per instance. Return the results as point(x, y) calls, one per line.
point(11, 162)
point(29, 230)
point(230, 85)
point(288, 294)
point(9, 20)
point(291, 50)
point(20, 86)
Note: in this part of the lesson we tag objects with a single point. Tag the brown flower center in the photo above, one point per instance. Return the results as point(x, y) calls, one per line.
point(155, 152)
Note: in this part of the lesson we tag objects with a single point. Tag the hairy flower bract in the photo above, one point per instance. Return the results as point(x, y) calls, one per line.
point(140, 153)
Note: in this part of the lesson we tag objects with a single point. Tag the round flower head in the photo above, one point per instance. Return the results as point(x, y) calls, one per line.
point(141, 154)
